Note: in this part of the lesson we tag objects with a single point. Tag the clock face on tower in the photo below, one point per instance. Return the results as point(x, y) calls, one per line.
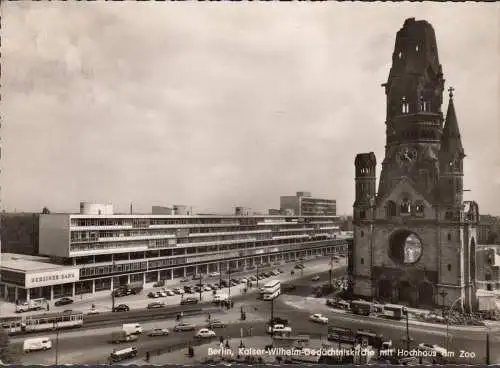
point(406, 156)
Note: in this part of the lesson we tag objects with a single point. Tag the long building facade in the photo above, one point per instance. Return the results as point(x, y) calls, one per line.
point(100, 250)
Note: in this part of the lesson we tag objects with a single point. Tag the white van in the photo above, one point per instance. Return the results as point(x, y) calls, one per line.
point(37, 343)
point(220, 297)
point(132, 328)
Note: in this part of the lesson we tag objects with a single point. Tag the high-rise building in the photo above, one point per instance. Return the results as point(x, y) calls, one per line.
point(415, 238)
point(303, 204)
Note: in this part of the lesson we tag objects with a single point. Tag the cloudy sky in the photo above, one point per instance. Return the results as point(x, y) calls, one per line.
point(217, 105)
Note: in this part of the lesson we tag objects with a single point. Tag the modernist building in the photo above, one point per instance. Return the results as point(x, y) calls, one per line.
point(415, 238)
point(97, 250)
point(488, 267)
point(303, 204)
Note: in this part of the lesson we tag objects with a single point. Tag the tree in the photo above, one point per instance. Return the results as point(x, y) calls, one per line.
point(9, 354)
point(45, 211)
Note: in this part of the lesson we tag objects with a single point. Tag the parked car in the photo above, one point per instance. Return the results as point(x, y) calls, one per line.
point(161, 293)
point(159, 332)
point(159, 283)
point(185, 280)
point(63, 301)
point(278, 321)
point(318, 318)
point(276, 272)
point(155, 305)
point(121, 308)
point(189, 300)
point(214, 274)
point(153, 294)
point(280, 270)
point(184, 327)
point(178, 291)
point(315, 278)
point(252, 278)
point(204, 333)
point(215, 323)
point(243, 281)
point(207, 288)
point(298, 266)
point(169, 292)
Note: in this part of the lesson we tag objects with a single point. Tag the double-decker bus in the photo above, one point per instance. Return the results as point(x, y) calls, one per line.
point(43, 322)
point(361, 307)
point(271, 290)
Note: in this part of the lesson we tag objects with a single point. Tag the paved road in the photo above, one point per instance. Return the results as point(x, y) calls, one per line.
point(468, 341)
point(93, 347)
point(102, 301)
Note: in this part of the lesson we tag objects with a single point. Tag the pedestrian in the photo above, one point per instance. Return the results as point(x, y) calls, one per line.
point(251, 331)
point(221, 339)
point(182, 314)
point(147, 356)
point(178, 318)
point(48, 307)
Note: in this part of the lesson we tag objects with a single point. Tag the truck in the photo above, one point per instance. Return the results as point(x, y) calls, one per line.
point(132, 328)
point(31, 305)
point(361, 307)
point(119, 355)
point(37, 343)
point(122, 336)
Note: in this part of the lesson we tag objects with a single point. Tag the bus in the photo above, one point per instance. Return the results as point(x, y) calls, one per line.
point(271, 290)
point(340, 334)
point(361, 307)
point(393, 311)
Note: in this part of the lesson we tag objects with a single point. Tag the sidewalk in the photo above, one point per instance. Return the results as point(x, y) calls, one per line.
point(103, 303)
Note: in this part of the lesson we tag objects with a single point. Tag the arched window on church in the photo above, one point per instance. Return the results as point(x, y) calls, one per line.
point(419, 208)
point(405, 207)
point(391, 209)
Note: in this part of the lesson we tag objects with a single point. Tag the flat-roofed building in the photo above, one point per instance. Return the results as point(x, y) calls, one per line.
point(19, 232)
point(303, 204)
point(109, 250)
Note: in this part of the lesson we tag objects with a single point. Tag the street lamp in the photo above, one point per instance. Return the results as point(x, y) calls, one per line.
point(443, 295)
point(200, 286)
point(257, 275)
point(229, 281)
point(448, 320)
point(405, 311)
point(56, 327)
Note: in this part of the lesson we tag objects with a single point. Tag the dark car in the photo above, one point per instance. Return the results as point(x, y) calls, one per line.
point(224, 283)
point(215, 323)
point(63, 301)
point(156, 305)
point(180, 327)
point(189, 300)
point(298, 266)
point(268, 274)
point(289, 287)
point(121, 308)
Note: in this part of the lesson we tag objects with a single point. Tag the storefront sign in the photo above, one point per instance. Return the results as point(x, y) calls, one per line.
point(52, 277)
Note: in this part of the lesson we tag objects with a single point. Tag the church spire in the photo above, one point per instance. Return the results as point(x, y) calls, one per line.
point(451, 141)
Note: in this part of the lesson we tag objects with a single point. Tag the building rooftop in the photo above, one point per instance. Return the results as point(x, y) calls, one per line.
point(26, 263)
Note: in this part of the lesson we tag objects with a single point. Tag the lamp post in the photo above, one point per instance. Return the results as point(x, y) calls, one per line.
point(448, 320)
point(331, 273)
point(488, 346)
point(443, 295)
point(56, 327)
point(201, 290)
point(112, 289)
point(229, 281)
point(405, 311)
point(257, 275)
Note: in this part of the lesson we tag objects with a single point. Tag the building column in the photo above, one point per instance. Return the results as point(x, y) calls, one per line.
point(112, 282)
point(171, 274)
point(5, 291)
point(158, 277)
point(93, 287)
point(73, 289)
point(128, 279)
point(185, 270)
point(196, 270)
point(27, 295)
point(16, 293)
point(51, 293)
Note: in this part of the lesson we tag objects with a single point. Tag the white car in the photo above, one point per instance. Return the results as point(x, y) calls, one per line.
point(204, 333)
point(439, 350)
point(159, 332)
point(279, 328)
point(318, 318)
point(207, 288)
point(92, 312)
point(169, 292)
point(315, 278)
point(162, 293)
point(214, 274)
point(179, 291)
point(243, 281)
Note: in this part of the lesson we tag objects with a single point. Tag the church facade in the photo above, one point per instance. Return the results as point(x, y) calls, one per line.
point(414, 235)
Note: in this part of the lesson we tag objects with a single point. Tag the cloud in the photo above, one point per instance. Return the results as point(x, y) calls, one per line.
point(219, 106)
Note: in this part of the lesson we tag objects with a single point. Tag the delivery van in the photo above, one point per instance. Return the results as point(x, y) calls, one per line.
point(122, 336)
point(132, 328)
point(37, 343)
